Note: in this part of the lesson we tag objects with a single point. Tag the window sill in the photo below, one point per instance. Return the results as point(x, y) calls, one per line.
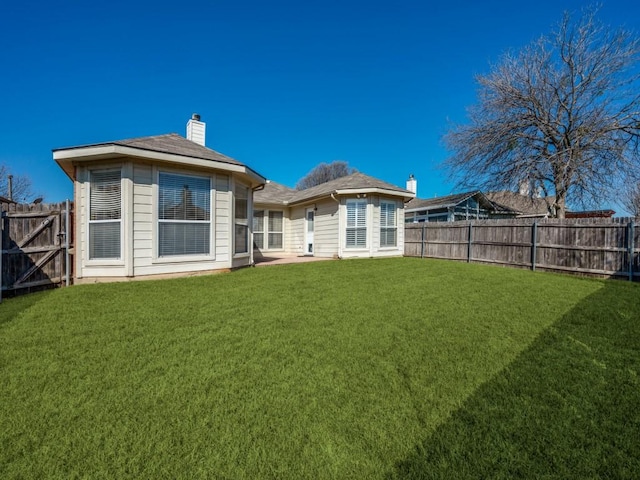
point(184, 259)
point(97, 262)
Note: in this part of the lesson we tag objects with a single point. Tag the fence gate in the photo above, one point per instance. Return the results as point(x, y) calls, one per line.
point(35, 246)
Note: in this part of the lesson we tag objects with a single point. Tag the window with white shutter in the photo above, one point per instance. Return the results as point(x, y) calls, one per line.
point(356, 223)
point(388, 228)
point(105, 214)
point(184, 215)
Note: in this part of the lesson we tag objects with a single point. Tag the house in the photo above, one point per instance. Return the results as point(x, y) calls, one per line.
point(522, 204)
point(352, 216)
point(460, 206)
point(158, 205)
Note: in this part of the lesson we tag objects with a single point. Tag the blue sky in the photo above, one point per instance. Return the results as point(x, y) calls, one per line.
point(281, 85)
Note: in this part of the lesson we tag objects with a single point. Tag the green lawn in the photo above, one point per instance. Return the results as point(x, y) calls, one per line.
point(363, 369)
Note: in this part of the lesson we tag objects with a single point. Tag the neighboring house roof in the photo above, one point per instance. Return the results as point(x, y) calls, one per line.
point(274, 193)
point(591, 214)
point(522, 204)
point(6, 200)
point(351, 184)
point(449, 201)
point(171, 148)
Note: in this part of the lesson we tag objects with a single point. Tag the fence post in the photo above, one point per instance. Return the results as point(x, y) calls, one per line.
point(534, 242)
point(470, 241)
point(630, 246)
point(422, 242)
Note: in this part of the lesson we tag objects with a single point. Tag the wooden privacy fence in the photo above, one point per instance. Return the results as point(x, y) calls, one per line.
point(36, 243)
point(603, 247)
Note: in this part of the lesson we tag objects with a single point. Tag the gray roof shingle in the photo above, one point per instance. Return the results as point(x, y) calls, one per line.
point(274, 193)
point(354, 181)
point(522, 204)
point(169, 143)
point(439, 202)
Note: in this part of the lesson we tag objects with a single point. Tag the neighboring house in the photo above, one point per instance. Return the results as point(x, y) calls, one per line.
point(526, 206)
point(352, 216)
point(159, 205)
point(523, 205)
point(461, 206)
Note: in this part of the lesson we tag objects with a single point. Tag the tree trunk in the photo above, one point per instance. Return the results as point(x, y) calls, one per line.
point(561, 206)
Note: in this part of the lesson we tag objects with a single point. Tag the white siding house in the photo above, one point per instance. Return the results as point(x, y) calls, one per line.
point(158, 205)
point(352, 216)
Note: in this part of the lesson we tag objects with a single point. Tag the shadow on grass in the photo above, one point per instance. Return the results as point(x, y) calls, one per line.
point(10, 308)
point(568, 407)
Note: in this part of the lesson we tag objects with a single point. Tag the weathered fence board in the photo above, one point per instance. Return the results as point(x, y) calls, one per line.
point(35, 246)
point(604, 247)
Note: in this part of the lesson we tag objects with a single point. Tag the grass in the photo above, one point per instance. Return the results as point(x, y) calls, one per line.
point(381, 369)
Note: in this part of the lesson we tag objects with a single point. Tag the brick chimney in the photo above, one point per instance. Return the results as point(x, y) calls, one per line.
point(196, 129)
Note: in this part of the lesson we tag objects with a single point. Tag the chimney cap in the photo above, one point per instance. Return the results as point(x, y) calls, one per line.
point(196, 117)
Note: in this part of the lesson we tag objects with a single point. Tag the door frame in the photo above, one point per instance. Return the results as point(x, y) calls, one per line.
point(309, 240)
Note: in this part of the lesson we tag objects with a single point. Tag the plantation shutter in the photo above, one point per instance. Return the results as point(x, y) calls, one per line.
point(388, 230)
point(356, 234)
point(105, 213)
point(184, 215)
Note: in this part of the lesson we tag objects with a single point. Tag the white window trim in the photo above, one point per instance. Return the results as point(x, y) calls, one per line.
point(248, 222)
point(261, 232)
point(91, 262)
point(266, 231)
point(395, 225)
point(155, 218)
point(281, 232)
point(367, 227)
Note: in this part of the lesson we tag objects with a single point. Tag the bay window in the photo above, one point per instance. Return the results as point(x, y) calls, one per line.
point(105, 214)
point(356, 223)
point(388, 228)
point(184, 215)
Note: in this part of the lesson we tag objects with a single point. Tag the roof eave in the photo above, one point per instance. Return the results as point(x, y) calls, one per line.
point(69, 157)
point(352, 191)
point(381, 191)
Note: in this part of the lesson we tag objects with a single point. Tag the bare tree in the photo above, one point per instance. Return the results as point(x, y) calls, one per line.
point(325, 172)
point(21, 190)
point(631, 198)
point(562, 115)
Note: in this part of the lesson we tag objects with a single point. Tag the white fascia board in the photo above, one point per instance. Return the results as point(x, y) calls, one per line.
point(381, 191)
